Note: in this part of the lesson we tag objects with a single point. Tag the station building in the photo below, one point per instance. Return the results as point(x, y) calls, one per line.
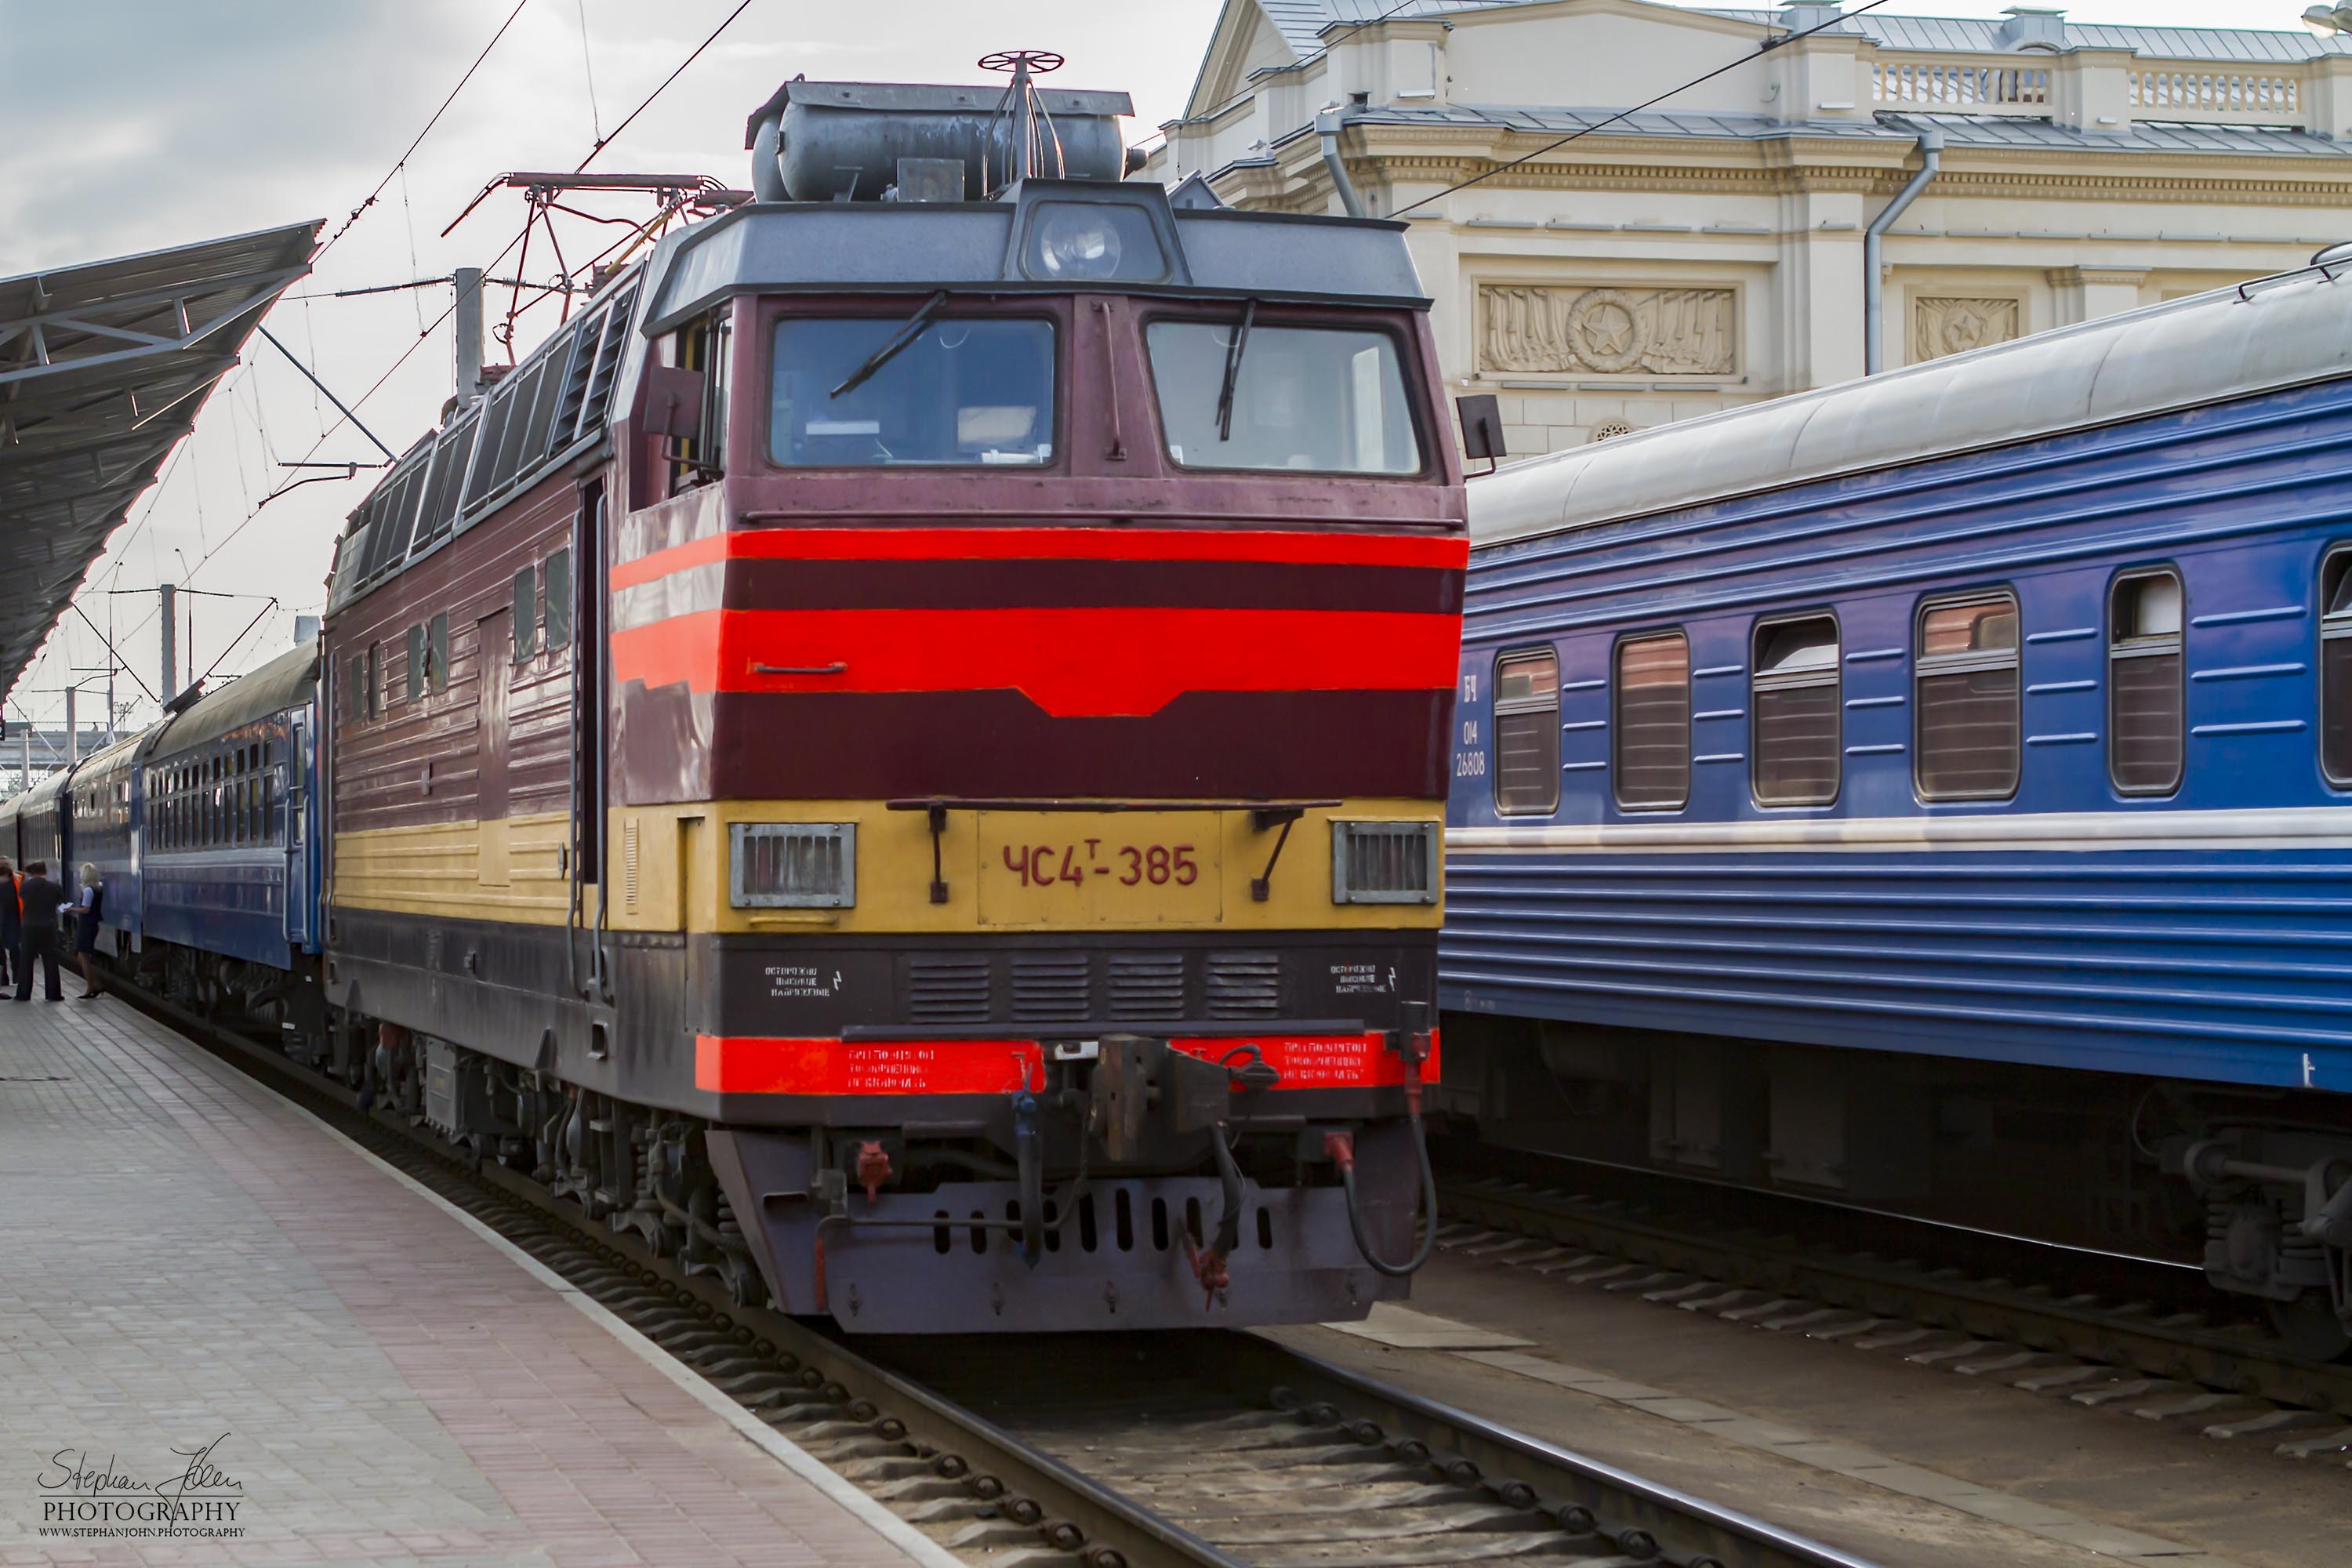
point(1710, 250)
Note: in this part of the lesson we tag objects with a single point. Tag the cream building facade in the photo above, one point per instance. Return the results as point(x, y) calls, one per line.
point(1710, 250)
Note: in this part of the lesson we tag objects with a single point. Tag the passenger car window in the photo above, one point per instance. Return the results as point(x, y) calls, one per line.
point(1795, 692)
point(1651, 753)
point(962, 393)
point(2144, 690)
point(1317, 399)
point(1967, 706)
point(2336, 667)
point(1527, 733)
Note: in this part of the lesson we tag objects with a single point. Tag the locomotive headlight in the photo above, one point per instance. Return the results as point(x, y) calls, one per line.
point(1081, 242)
point(1077, 243)
point(1384, 862)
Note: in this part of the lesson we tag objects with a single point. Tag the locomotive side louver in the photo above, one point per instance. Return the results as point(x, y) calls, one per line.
point(1383, 862)
point(1244, 985)
point(793, 864)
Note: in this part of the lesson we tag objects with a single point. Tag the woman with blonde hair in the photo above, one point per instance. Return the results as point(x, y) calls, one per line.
point(90, 909)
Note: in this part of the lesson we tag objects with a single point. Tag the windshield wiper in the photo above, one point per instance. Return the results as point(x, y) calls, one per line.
point(890, 350)
point(1233, 351)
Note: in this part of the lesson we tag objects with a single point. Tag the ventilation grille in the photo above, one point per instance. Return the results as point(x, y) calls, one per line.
point(793, 864)
point(1383, 862)
point(1050, 988)
point(1146, 985)
point(1244, 985)
point(944, 989)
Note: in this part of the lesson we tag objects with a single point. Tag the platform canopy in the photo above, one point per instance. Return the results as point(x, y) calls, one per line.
point(102, 369)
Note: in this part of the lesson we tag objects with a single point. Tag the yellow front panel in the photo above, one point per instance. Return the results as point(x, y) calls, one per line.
point(1129, 870)
point(676, 876)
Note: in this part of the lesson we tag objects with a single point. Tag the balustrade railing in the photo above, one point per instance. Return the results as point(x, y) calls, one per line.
point(1961, 88)
point(2215, 95)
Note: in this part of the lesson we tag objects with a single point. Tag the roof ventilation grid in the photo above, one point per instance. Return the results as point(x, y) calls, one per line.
point(2032, 27)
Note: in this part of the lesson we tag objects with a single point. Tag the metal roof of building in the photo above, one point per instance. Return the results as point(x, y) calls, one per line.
point(1988, 35)
point(1301, 23)
point(102, 369)
point(1960, 130)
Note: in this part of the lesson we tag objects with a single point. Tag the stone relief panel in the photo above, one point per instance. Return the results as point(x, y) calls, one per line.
point(1944, 324)
point(1655, 332)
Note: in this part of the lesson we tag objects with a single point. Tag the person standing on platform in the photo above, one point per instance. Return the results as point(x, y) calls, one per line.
point(12, 923)
point(39, 901)
point(91, 909)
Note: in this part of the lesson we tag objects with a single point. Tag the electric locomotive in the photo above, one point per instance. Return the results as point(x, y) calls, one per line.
point(900, 754)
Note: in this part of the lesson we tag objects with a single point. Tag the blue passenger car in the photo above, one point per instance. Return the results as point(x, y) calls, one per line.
point(229, 828)
point(1936, 791)
point(44, 822)
point(102, 802)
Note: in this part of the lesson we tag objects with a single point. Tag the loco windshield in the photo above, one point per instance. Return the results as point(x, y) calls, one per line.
point(1324, 399)
point(958, 392)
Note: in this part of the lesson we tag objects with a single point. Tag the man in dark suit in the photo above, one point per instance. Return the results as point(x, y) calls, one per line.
point(39, 899)
point(12, 924)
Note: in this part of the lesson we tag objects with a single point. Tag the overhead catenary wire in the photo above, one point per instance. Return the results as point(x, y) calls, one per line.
point(211, 549)
point(1767, 45)
point(604, 142)
point(361, 210)
point(588, 67)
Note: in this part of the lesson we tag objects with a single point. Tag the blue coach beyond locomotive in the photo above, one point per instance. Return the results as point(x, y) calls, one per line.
point(1936, 792)
point(205, 831)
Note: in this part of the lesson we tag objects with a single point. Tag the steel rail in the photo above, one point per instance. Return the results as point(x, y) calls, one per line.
point(1617, 1500)
point(794, 1375)
point(2175, 1346)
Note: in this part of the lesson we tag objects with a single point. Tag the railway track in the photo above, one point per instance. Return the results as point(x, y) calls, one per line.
point(1203, 1449)
point(2137, 1350)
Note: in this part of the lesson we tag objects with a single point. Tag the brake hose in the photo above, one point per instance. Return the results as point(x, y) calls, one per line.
point(1341, 1147)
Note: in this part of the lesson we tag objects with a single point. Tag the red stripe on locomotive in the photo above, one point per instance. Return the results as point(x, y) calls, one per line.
point(734, 1064)
point(1072, 663)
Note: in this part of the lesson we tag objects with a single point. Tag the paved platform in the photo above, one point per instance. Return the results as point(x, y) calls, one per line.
point(204, 1290)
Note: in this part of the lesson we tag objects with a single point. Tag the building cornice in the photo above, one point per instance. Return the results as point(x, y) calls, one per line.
point(1798, 164)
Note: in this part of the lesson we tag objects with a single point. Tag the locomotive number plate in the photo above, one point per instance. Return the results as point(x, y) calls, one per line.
point(1115, 868)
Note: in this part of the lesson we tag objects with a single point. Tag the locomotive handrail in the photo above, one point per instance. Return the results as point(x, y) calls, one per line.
point(954, 803)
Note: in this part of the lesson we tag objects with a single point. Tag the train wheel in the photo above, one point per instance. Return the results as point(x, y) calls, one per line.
point(2310, 1327)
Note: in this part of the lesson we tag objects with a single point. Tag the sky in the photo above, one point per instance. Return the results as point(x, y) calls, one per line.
point(229, 116)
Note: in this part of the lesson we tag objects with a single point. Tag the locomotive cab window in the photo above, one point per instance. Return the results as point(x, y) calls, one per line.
point(1650, 753)
point(1796, 713)
point(1967, 709)
point(703, 346)
point(2144, 690)
point(934, 390)
point(1527, 733)
point(2336, 667)
point(1236, 394)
